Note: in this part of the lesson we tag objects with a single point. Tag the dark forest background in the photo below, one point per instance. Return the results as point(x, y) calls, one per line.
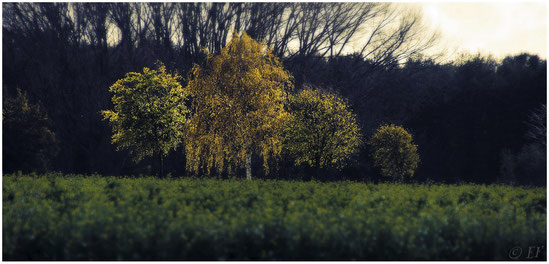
point(474, 119)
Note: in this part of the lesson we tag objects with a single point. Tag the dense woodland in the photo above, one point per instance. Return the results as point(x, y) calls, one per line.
point(474, 119)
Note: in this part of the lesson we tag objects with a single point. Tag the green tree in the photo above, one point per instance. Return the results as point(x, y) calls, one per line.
point(238, 107)
point(28, 144)
point(394, 152)
point(149, 115)
point(323, 131)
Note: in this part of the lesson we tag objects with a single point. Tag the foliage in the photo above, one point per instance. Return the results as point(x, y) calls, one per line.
point(394, 152)
point(323, 131)
point(27, 142)
point(149, 115)
point(62, 55)
point(482, 112)
point(529, 164)
point(238, 106)
point(75, 217)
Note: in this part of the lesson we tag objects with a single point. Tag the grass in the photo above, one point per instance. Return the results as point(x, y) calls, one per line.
point(76, 217)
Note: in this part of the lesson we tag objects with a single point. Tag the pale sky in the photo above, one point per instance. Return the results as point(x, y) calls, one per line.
point(498, 28)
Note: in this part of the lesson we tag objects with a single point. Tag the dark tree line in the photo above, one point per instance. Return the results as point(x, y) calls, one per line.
point(472, 119)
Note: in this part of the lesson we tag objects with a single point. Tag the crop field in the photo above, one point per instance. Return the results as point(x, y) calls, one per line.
point(77, 217)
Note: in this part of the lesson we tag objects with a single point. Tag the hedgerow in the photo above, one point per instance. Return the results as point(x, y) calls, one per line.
point(77, 217)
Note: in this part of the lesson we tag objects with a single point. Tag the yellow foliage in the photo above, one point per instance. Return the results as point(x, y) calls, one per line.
point(238, 106)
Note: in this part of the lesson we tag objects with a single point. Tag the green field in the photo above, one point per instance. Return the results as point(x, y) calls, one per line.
point(74, 217)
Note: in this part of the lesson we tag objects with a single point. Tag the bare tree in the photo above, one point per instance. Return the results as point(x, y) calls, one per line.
point(537, 125)
point(396, 35)
point(121, 16)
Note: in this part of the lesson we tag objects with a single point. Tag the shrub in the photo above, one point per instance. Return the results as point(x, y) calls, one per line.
point(77, 217)
point(28, 142)
point(527, 166)
point(394, 152)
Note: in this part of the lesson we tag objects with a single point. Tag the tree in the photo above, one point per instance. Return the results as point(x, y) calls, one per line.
point(149, 115)
point(66, 55)
point(537, 128)
point(394, 152)
point(529, 163)
point(238, 107)
point(28, 142)
point(323, 131)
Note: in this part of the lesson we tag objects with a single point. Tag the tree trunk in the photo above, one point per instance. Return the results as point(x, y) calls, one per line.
point(161, 165)
point(249, 165)
point(316, 169)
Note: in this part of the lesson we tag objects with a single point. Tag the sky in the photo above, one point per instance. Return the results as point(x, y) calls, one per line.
point(497, 28)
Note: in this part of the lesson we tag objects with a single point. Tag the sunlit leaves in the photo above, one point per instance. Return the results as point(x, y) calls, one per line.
point(323, 131)
point(238, 101)
point(149, 115)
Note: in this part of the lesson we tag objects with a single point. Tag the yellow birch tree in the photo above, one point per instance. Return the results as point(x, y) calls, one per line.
point(238, 101)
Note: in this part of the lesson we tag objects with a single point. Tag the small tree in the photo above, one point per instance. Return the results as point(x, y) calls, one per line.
point(394, 152)
point(149, 115)
point(28, 144)
point(528, 165)
point(238, 107)
point(323, 131)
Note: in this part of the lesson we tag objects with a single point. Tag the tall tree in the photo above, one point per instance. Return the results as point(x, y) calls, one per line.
point(238, 107)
